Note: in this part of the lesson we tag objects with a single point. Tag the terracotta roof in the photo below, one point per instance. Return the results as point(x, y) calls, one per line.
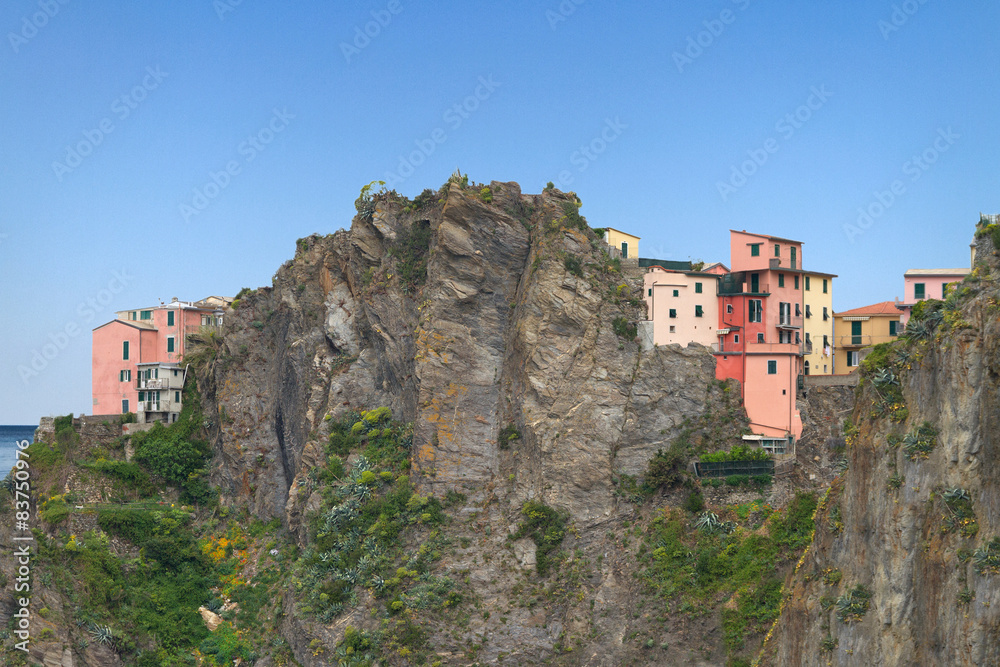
point(883, 308)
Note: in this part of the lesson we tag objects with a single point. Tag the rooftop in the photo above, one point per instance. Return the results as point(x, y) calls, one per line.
point(937, 272)
point(764, 236)
point(882, 308)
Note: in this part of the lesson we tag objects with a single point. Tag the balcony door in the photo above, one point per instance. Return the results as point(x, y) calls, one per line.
point(855, 333)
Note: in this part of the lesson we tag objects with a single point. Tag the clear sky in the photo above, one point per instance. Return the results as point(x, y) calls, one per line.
point(151, 150)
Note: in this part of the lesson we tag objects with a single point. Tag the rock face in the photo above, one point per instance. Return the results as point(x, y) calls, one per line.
point(499, 333)
point(886, 524)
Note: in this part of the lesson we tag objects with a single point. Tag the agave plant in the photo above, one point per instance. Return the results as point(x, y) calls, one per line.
point(708, 522)
point(841, 465)
point(917, 330)
point(885, 376)
point(957, 493)
point(102, 634)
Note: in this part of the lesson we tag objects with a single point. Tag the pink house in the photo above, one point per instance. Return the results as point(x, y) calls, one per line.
point(760, 340)
point(136, 357)
point(921, 284)
point(683, 306)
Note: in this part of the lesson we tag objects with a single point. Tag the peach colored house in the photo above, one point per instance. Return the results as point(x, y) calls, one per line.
point(136, 357)
point(683, 306)
point(921, 284)
point(857, 330)
point(760, 336)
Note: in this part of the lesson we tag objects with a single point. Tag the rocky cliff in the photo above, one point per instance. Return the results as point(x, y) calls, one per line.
point(903, 568)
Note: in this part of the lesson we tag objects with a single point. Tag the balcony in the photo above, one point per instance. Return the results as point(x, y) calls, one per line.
point(807, 347)
point(854, 341)
point(775, 348)
point(790, 322)
point(160, 383)
point(157, 406)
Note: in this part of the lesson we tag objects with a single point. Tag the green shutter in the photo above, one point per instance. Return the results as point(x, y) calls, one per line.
point(893, 327)
point(673, 313)
point(772, 367)
point(177, 397)
point(650, 292)
point(777, 250)
point(698, 311)
point(807, 283)
point(677, 293)
point(781, 280)
point(697, 288)
point(796, 282)
point(919, 291)
point(170, 318)
point(170, 344)
point(125, 350)
point(755, 250)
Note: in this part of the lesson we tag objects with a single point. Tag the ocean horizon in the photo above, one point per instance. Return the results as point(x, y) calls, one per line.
point(10, 435)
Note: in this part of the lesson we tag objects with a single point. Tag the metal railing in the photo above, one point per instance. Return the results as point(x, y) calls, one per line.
point(794, 321)
point(854, 341)
point(155, 406)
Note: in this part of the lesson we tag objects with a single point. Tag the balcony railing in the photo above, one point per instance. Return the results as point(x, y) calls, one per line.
point(807, 348)
point(854, 341)
point(774, 348)
point(793, 322)
point(733, 287)
point(155, 406)
point(158, 383)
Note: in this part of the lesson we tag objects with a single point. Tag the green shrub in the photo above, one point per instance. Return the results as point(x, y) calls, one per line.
point(624, 329)
point(694, 502)
point(128, 472)
point(411, 250)
point(573, 219)
point(853, 605)
point(738, 480)
point(546, 527)
point(508, 434)
point(572, 265)
point(486, 195)
point(737, 453)
point(665, 469)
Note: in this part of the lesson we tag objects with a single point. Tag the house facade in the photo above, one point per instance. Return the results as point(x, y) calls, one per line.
point(623, 241)
point(856, 331)
point(683, 306)
point(921, 284)
point(817, 323)
point(137, 356)
point(760, 335)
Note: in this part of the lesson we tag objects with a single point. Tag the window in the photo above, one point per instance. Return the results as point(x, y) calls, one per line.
point(781, 280)
point(809, 312)
point(807, 283)
point(124, 350)
point(755, 283)
point(677, 293)
point(673, 313)
point(792, 251)
point(175, 373)
point(760, 337)
point(142, 396)
point(796, 282)
point(826, 343)
point(919, 291)
point(697, 288)
point(807, 368)
point(649, 292)
point(798, 310)
point(624, 249)
point(852, 358)
point(824, 285)
point(124, 406)
point(944, 290)
point(736, 338)
point(170, 343)
point(755, 249)
point(785, 313)
point(698, 312)
point(777, 250)
point(826, 315)
point(170, 318)
point(772, 367)
point(673, 329)
point(893, 327)
point(131, 315)
point(177, 397)
point(125, 376)
point(729, 308)
point(808, 340)
point(145, 314)
point(756, 310)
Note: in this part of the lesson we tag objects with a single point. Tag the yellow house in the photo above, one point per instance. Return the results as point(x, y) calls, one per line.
point(628, 244)
point(856, 331)
point(817, 323)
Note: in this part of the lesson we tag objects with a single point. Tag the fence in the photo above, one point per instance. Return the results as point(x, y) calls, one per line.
point(727, 468)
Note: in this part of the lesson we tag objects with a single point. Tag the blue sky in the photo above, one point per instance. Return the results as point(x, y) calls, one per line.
point(180, 149)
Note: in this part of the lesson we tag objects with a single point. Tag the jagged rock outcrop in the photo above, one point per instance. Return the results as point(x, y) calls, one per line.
point(888, 525)
point(500, 332)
